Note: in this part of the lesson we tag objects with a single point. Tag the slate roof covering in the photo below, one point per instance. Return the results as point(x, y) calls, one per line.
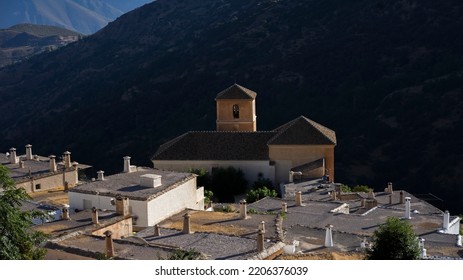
point(236, 92)
point(241, 145)
point(128, 184)
point(36, 168)
point(216, 145)
point(303, 131)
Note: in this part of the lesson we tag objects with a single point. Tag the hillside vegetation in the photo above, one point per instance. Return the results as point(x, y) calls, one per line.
point(385, 75)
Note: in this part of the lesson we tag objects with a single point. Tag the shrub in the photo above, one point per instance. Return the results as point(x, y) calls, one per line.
point(254, 195)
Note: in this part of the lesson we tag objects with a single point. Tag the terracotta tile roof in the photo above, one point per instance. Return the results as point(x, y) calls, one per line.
point(216, 145)
point(236, 92)
point(303, 131)
point(240, 145)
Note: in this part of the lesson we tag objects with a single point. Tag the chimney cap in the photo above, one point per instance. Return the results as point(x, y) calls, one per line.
point(127, 157)
point(12, 149)
point(51, 156)
point(329, 226)
point(108, 233)
point(28, 146)
point(67, 153)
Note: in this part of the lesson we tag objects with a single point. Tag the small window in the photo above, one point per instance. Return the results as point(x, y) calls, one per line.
point(236, 111)
point(38, 186)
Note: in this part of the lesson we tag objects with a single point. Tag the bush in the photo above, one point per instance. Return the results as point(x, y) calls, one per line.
point(254, 195)
point(394, 240)
point(361, 188)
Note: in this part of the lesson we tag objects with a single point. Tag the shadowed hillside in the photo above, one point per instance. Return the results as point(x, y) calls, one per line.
point(385, 75)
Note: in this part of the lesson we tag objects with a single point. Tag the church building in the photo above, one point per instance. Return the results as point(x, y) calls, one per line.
point(299, 149)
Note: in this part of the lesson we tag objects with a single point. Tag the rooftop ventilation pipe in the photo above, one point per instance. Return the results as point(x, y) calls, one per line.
point(29, 152)
point(407, 208)
point(13, 158)
point(329, 236)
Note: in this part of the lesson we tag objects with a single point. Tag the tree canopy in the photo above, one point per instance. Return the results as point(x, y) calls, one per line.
point(394, 240)
point(17, 240)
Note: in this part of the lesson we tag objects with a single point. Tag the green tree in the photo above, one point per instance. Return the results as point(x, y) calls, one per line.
point(394, 240)
point(256, 194)
point(17, 240)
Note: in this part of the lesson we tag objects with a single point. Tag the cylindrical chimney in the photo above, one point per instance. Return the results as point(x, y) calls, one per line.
point(401, 201)
point(284, 207)
point(329, 236)
point(459, 240)
point(186, 223)
point(29, 152)
point(109, 244)
point(407, 208)
point(243, 210)
point(390, 199)
point(52, 163)
point(389, 188)
point(262, 226)
point(126, 164)
point(157, 230)
point(95, 216)
point(298, 198)
point(67, 159)
point(13, 158)
point(260, 241)
point(21, 164)
point(65, 213)
point(446, 222)
point(100, 175)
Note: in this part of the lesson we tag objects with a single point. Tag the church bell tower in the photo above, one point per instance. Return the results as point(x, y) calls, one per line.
point(236, 109)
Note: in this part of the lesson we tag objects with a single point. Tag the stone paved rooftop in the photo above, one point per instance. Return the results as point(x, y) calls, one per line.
point(128, 184)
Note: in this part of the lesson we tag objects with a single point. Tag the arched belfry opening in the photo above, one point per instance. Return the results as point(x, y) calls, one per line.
point(236, 109)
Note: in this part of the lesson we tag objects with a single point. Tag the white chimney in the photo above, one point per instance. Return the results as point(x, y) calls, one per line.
point(13, 158)
point(446, 220)
point(150, 180)
point(243, 210)
point(329, 236)
point(67, 159)
point(407, 208)
point(459, 241)
point(126, 164)
point(52, 163)
point(21, 164)
point(422, 249)
point(29, 152)
point(100, 175)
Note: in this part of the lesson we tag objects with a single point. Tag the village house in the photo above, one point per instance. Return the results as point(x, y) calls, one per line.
point(300, 147)
point(153, 194)
point(36, 173)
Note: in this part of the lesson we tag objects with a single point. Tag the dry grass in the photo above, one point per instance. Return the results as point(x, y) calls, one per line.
point(54, 197)
point(203, 221)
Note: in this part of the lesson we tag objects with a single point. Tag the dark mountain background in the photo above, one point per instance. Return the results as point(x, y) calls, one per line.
point(83, 16)
point(22, 41)
point(385, 75)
